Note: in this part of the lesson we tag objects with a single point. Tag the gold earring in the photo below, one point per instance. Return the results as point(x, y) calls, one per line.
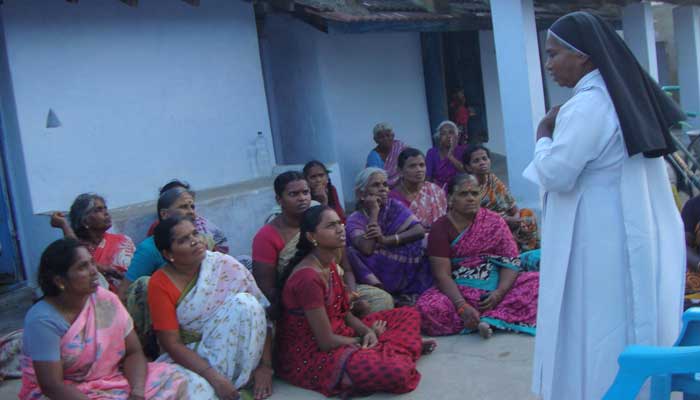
point(314, 242)
point(61, 287)
point(172, 260)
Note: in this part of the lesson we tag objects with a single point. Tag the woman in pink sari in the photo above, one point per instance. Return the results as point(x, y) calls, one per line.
point(79, 341)
point(426, 200)
point(477, 271)
point(386, 154)
point(89, 222)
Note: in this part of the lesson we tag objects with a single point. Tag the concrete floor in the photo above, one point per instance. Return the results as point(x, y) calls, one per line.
point(462, 367)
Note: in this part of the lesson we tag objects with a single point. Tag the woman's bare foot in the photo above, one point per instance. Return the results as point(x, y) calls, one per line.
point(429, 345)
point(485, 330)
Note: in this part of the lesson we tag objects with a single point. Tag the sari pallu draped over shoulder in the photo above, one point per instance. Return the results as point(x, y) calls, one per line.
point(477, 255)
point(402, 269)
point(388, 367)
point(222, 318)
point(92, 350)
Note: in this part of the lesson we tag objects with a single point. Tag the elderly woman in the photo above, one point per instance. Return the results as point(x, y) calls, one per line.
point(384, 240)
point(444, 161)
point(426, 200)
point(89, 222)
point(386, 154)
point(79, 342)
point(476, 268)
point(208, 313)
point(496, 197)
point(322, 190)
point(341, 353)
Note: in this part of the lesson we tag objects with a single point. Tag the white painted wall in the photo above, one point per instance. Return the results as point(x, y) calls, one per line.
point(327, 92)
point(144, 94)
point(492, 95)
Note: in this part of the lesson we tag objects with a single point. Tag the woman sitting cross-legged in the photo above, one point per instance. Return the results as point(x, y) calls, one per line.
point(275, 244)
point(496, 197)
point(426, 200)
point(208, 314)
point(321, 345)
point(476, 267)
point(89, 222)
point(79, 341)
point(384, 241)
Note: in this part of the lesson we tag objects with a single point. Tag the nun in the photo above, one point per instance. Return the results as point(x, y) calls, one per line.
point(612, 267)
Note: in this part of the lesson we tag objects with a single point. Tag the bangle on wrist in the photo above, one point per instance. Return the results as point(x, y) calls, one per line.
point(461, 308)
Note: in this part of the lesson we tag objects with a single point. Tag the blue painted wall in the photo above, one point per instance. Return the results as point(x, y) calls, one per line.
point(327, 92)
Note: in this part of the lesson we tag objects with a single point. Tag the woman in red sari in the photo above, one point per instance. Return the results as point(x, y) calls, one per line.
point(321, 345)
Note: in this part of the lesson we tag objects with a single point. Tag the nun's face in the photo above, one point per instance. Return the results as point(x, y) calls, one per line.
point(566, 66)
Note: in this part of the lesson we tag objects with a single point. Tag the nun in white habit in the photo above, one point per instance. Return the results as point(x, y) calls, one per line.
point(612, 267)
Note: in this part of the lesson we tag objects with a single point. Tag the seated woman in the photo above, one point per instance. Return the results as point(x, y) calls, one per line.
point(341, 353)
point(496, 197)
point(322, 190)
point(275, 244)
point(176, 200)
point(475, 263)
point(444, 161)
point(384, 241)
point(426, 200)
point(208, 313)
point(386, 154)
point(691, 221)
point(89, 222)
point(214, 236)
point(79, 342)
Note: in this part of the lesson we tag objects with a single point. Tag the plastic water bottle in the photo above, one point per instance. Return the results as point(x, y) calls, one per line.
point(262, 156)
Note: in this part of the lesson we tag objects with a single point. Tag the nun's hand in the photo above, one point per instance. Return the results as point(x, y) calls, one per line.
point(547, 124)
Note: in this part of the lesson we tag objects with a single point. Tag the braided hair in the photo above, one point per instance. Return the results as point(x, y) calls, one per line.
point(309, 222)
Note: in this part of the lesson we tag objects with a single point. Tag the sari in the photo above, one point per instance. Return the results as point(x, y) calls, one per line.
point(222, 318)
point(428, 206)
point(441, 170)
point(401, 269)
point(391, 164)
point(692, 278)
point(91, 353)
point(477, 254)
point(113, 256)
point(496, 197)
point(388, 367)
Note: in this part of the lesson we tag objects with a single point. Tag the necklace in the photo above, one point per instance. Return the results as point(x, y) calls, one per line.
point(409, 194)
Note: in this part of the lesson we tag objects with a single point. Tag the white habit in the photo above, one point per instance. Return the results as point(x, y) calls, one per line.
point(612, 271)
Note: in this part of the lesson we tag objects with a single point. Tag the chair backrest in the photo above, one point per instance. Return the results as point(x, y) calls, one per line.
point(690, 335)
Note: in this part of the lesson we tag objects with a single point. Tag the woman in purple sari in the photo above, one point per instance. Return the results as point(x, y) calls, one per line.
point(444, 161)
point(478, 281)
point(384, 241)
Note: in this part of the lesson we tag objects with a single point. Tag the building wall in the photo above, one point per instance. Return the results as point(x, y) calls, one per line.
point(330, 90)
point(144, 94)
point(164, 87)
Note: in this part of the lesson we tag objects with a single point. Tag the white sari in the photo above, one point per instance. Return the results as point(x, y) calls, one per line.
point(222, 318)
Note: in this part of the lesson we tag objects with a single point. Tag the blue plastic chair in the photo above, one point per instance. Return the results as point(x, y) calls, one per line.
point(672, 369)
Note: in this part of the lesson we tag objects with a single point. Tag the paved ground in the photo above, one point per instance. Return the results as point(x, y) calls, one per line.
point(462, 367)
